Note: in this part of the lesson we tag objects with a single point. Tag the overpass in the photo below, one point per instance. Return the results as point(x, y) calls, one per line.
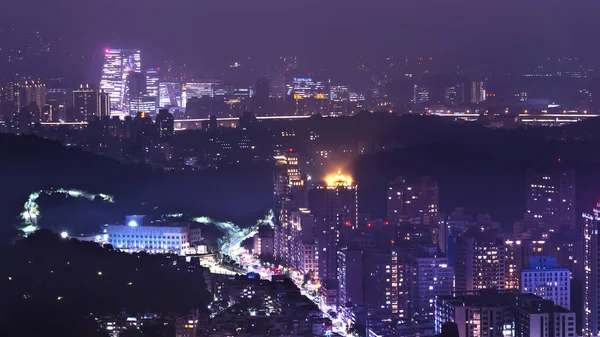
point(193, 123)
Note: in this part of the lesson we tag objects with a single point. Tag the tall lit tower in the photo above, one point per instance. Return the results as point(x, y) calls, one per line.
point(289, 195)
point(118, 63)
point(334, 204)
point(591, 264)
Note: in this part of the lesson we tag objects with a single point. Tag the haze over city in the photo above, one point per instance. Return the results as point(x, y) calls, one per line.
point(381, 168)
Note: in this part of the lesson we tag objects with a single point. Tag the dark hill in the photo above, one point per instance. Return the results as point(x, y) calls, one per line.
point(29, 164)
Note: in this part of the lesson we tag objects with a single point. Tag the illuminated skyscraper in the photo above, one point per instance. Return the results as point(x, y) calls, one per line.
point(170, 94)
point(477, 92)
point(591, 264)
point(551, 199)
point(118, 63)
point(480, 263)
point(334, 204)
point(34, 92)
point(152, 83)
point(289, 196)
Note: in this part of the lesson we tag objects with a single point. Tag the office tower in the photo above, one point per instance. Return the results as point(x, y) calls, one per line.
point(165, 123)
point(479, 263)
point(170, 94)
point(103, 105)
point(551, 199)
point(386, 286)
point(412, 200)
point(86, 102)
point(350, 273)
point(199, 89)
point(544, 279)
point(339, 96)
point(152, 83)
point(305, 248)
point(334, 204)
point(454, 95)
point(477, 92)
point(261, 94)
point(289, 196)
point(118, 63)
point(421, 94)
point(430, 276)
point(591, 264)
point(514, 264)
point(497, 314)
point(34, 91)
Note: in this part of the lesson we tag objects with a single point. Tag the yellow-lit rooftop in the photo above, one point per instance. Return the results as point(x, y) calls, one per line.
point(335, 180)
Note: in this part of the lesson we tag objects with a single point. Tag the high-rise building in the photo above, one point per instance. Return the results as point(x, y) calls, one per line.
point(34, 91)
point(412, 200)
point(170, 94)
point(479, 263)
point(118, 63)
point(289, 195)
point(165, 123)
point(477, 92)
point(544, 279)
point(430, 276)
point(350, 277)
point(551, 199)
point(334, 204)
point(305, 248)
point(421, 94)
point(387, 286)
point(514, 264)
point(496, 314)
point(454, 94)
point(89, 104)
point(591, 264)
point(261, 94)
point(152, 82)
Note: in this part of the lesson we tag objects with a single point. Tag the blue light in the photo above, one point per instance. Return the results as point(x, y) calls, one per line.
point(132, 223)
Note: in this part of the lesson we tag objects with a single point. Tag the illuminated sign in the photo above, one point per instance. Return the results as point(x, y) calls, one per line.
point(302, 79)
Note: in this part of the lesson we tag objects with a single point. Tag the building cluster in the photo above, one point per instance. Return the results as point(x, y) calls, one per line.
point(386, 275)
point(248, 306)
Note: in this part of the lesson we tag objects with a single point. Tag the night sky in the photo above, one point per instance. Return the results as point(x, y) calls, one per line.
point(200, 31)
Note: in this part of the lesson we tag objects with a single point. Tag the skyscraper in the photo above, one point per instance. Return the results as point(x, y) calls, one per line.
point(431, 276)
point(477, 92)
point(34, 92)
point(551, 199)
point(591, 264)
point(334, 204)
point(89, 104)
point(289, 196)
point(412, 200)
point(261, 94)
point(118, 63)
point(165, 123)
point(479, 263)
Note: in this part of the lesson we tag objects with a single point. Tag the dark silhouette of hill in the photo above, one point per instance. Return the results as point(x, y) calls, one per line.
point(73, 279)
point(30, 164)
point(479, 168)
